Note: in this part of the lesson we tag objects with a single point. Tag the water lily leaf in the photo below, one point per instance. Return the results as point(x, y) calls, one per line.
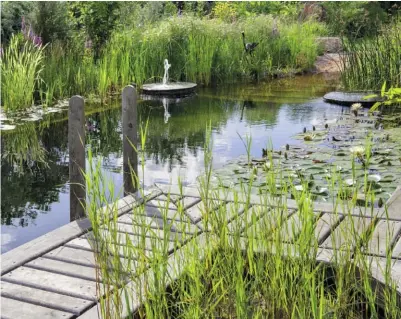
point(374, 178)
point(321, 190)
point(349, 182)
point(388, 179)
point(299, 188)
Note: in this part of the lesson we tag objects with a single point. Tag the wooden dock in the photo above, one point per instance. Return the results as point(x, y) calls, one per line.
point(54, 276)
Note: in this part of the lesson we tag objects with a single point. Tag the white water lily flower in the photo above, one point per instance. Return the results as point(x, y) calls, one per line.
point(356, 106)
point(357, 150)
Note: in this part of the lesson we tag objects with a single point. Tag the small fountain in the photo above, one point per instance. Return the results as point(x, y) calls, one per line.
point(167, 88)
point(166, 113)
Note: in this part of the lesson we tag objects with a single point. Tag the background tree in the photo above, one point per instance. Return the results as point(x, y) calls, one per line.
point(11, 17)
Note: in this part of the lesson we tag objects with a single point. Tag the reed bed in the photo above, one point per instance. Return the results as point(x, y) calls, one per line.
point(21, 68)
point(370, 62)
point(234, 270)
point(204, 51)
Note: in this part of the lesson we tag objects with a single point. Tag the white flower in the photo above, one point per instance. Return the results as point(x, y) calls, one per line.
point(356, 106)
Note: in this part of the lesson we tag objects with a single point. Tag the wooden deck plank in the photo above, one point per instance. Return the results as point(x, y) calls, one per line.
point(43, 244)
point(152, 211)
point(70, 286)
point(15, 309)
point(347, 234)
point(72, 255)
point(187, 201)
point(44, 298)
point(394, 204)
point(396, 253)
point(147, 232)
point(267, 224)
point(166, 205)
point(198, 211)
point(159, 223)
point(378, 269)
point(325, 224)
point(247, 219)
point(222, 216)
point(118, 247)
point(147, 243)
point(383, 237)
point(174, 189)
point(63, 268)
point(175, 266)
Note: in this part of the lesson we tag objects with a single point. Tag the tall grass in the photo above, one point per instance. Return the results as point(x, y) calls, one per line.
point(204, 51)
point(370, 62)
point(21, 69)
point(242, 269)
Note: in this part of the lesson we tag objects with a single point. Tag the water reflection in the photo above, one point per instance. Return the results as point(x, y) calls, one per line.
point(35, 157)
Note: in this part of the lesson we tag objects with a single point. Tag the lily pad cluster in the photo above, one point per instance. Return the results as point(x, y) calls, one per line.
point(350, 156)
point(35, 113)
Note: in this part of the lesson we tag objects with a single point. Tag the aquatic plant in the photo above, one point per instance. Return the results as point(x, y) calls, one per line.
point(392, 97)
point(240, 269)
point(369, 62)
point(199, 50)
point(21, 69)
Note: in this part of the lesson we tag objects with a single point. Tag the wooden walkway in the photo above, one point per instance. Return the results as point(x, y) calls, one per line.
point(53, 276)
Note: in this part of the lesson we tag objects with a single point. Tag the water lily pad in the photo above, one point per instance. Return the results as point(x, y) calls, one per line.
point(374, 178)
point(349, 182)
point(299, 188)
point(321, 190)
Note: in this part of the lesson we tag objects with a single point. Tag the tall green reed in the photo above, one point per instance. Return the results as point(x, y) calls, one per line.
point(260, 264)
point(370, 62)
point(21, 68)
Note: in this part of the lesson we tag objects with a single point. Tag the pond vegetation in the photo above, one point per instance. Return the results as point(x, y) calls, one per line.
point(273, 270)
point(94, 49)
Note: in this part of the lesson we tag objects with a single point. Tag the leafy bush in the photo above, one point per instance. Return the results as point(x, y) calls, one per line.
point(354, 18)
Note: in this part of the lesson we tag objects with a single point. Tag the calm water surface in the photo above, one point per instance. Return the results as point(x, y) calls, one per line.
point(35, 192)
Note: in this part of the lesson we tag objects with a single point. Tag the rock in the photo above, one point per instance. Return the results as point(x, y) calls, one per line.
point(330, 44)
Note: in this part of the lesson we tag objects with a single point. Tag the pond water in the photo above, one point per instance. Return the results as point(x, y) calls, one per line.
point(35, 192)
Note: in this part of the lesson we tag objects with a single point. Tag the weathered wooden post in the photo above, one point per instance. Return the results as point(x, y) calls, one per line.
point(130, 139)
point(76, 148)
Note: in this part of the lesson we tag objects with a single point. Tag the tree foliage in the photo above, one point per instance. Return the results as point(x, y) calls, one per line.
point(11, 17)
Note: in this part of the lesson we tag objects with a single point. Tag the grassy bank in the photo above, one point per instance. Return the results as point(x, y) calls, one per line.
point(233, 273)
point(200, 50)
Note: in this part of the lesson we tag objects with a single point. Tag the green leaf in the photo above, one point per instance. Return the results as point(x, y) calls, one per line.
point(383, 88)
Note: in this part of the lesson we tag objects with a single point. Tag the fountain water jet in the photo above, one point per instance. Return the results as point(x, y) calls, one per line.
point(167, 88)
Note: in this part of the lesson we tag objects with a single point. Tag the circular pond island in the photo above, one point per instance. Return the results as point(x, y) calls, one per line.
point(349, 98)
point(175, 88)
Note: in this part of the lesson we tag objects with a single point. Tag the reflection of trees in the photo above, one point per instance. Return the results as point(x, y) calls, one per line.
point(299, 113)
point(31, 170)
point(104, 132)
point(185, 130)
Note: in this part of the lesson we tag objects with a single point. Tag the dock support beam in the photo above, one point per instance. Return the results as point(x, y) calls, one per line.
point(130, 139)
point(76, 148)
